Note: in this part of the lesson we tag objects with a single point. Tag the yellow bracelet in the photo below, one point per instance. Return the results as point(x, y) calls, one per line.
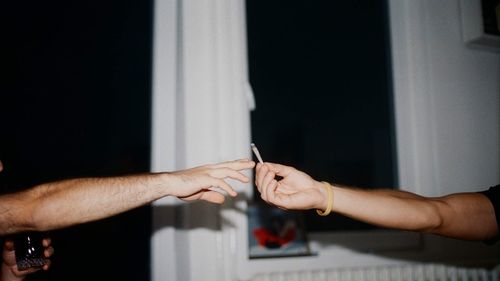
point(329, 206)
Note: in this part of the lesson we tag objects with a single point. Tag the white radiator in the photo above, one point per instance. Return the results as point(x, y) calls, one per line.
point(427, 272)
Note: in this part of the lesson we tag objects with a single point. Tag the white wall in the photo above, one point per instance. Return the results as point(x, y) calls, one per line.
point(447, 99)
point(201, 114)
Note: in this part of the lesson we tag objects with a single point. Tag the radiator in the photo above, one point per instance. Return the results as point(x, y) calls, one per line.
point(426, 272)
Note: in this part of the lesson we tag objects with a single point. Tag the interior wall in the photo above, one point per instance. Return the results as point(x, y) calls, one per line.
point(201, 115)
point(447, 101)
point(466, 89)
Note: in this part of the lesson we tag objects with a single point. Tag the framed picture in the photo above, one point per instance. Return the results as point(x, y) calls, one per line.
point(481, 23)
point(275, 233)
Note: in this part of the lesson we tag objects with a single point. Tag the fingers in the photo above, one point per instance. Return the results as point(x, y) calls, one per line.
point(48, 252)
point(270, 195)
point(47, 264)
point(8, 245)
point(225, 186)
point(46, 242)
point(263, 175)
point(28, 271)
point(213, 197)
point(270, 191)
point(241, 164)
point(260, 173)
point(210, 179)
point(266, 183)
point(231, 170)
point(280, 170)
point(228, 173)
point(268, 186)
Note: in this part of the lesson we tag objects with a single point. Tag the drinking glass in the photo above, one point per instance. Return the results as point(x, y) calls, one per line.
point(29, 250)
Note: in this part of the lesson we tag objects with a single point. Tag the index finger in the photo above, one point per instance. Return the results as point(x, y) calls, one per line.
point(46, 241)
point(8, 245)
point(278, 169)
point(240, 164)
point(229, 173)
point(225, 186)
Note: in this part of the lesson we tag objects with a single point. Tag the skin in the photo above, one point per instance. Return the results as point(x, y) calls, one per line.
point(69, 202)
point(468, 216)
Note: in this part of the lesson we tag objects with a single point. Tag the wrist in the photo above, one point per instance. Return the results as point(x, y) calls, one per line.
point(166, 183)
point(322, 202)
point(328, 189)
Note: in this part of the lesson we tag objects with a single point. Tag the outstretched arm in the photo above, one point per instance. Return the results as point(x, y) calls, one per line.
point(74, 201)
point(468, 216)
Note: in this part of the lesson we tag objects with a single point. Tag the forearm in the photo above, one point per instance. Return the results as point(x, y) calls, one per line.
point(463, 215)
point(95, 198)
point(69, 202)
point(387, 208)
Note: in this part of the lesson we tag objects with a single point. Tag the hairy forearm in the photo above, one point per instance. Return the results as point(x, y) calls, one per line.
point(69, 202)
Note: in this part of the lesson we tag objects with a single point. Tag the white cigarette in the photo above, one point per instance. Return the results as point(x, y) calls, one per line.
point(256, 152)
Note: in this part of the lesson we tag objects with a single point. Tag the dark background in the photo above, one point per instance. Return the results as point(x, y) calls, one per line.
point(490, 17)
point(75, 102)
point(320, 72)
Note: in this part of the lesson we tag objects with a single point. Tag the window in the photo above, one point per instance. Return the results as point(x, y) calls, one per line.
point(320, 71)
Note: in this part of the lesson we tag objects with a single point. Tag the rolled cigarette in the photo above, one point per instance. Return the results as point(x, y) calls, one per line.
point(256, 152)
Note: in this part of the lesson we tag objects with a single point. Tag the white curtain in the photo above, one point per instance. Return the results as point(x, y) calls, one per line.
point(201, 114)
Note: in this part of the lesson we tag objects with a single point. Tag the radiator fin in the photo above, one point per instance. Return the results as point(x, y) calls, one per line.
point(420, 272)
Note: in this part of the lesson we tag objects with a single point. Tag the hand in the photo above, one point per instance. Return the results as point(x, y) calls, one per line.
point(296, 190)
point(198, 183)
point(9, 268)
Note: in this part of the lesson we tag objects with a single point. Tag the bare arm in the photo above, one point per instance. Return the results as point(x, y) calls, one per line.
point(465, 215)
point(69, 202)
